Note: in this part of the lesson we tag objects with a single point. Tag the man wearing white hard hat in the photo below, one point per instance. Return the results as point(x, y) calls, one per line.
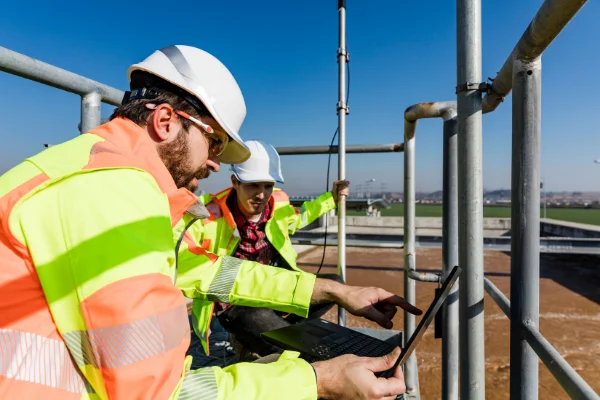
point(264, 219)
point(96, 255)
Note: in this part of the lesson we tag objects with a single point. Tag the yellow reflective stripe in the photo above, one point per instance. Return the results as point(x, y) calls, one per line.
point(199, 384)
point(28, 357)
point(61, 240)
point(126, 344)
point(220, 288)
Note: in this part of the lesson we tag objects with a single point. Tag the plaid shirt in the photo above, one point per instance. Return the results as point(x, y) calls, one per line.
point(253, 245)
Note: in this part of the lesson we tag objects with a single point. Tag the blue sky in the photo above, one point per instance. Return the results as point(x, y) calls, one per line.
point(283, 55)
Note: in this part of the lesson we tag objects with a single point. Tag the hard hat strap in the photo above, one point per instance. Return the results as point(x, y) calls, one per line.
point(153, 92)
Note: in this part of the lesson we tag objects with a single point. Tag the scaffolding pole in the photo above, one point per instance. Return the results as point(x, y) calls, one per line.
point(353, 148)
point(470, 212)
point(342, 110)
point(450, 258)
point(525, 222)
point(548, 22)
point(447, 111)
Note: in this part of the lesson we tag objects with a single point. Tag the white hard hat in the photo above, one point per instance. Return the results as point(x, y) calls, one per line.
point(207, 79)
point(262, 166)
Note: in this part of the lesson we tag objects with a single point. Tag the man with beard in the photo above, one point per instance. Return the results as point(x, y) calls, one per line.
point(88, 305)
point(263, 219)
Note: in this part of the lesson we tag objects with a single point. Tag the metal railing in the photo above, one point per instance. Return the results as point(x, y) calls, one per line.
point(446, 111)
point(462, 239)
point(568, 378)
point(521, 71)
point(92, 93)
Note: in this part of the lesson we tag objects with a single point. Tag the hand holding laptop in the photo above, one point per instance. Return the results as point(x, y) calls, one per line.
point(343, 374)
point(372, 303)
point(352, 377)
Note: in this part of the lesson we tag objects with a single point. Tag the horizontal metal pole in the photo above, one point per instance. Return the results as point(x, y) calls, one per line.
point(568, 378)
point(352, 148)
point(411, 272)
point(423, 276)
point(349, 243)
point(554, 245)
point(35, 70)
point(549, 21)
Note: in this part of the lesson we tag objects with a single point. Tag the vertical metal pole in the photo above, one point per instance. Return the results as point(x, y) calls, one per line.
point(411, 376)
point(525, 223)
point(342, 109)
point(450, 259)
point(90, 111)
point(470, 187)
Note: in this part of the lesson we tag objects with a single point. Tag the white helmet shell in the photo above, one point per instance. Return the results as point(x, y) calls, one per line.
point(206, 78)
point(263, 165)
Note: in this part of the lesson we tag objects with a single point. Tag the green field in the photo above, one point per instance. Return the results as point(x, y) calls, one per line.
point(585, 216)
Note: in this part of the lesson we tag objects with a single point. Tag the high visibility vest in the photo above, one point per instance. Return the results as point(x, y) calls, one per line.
point(218, 234)
point(88, 308)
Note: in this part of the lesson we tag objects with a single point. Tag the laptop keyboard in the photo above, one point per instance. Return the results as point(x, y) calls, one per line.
point(358, 344)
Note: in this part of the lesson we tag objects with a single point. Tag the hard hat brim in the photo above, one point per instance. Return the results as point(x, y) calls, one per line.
point(252, 177)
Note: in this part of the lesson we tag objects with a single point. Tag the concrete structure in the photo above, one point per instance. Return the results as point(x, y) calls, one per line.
point(553, 227)
point(431, 226)
point(425, 226)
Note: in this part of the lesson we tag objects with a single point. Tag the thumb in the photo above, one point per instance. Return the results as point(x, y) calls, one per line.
point(383, 363)
point(375, 315)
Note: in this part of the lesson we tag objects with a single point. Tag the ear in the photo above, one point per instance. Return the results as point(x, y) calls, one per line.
point(234, 181)
point(165, 123)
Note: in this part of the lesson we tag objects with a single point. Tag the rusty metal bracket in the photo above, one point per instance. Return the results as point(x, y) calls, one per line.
point(468, 86)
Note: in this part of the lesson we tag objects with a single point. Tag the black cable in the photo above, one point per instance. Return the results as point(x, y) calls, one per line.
point(327, 215)
point(329, 166)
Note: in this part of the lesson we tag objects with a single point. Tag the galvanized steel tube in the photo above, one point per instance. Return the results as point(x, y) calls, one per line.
point(353, 148)
point(470, 212)
point(423, 276)
point(91, 105)
point(568, 378)
point(525, 223)
point(446, 110)
point(411, 373)
point(35, 70)
point(549, 21)
point(450, 259)
point(342, 108)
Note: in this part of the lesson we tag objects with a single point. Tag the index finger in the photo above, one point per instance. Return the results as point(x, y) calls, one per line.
point(400, 302)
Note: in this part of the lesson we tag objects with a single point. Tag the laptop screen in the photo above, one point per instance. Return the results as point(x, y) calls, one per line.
point(426, 320)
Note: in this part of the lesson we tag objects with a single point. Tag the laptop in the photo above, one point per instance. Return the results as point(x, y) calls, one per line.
point(318, 340)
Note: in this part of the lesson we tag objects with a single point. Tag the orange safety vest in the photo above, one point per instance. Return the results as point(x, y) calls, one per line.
point(88, 308)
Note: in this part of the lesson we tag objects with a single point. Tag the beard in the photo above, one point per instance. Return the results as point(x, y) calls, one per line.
point(176, 156)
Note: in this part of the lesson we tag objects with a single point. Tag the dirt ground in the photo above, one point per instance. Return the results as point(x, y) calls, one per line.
point(569, 312)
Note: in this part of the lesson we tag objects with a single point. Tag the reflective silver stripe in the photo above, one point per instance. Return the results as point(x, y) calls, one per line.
point(200, 384)
point(126, 344)
point(28, 357)
point(220, 287)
